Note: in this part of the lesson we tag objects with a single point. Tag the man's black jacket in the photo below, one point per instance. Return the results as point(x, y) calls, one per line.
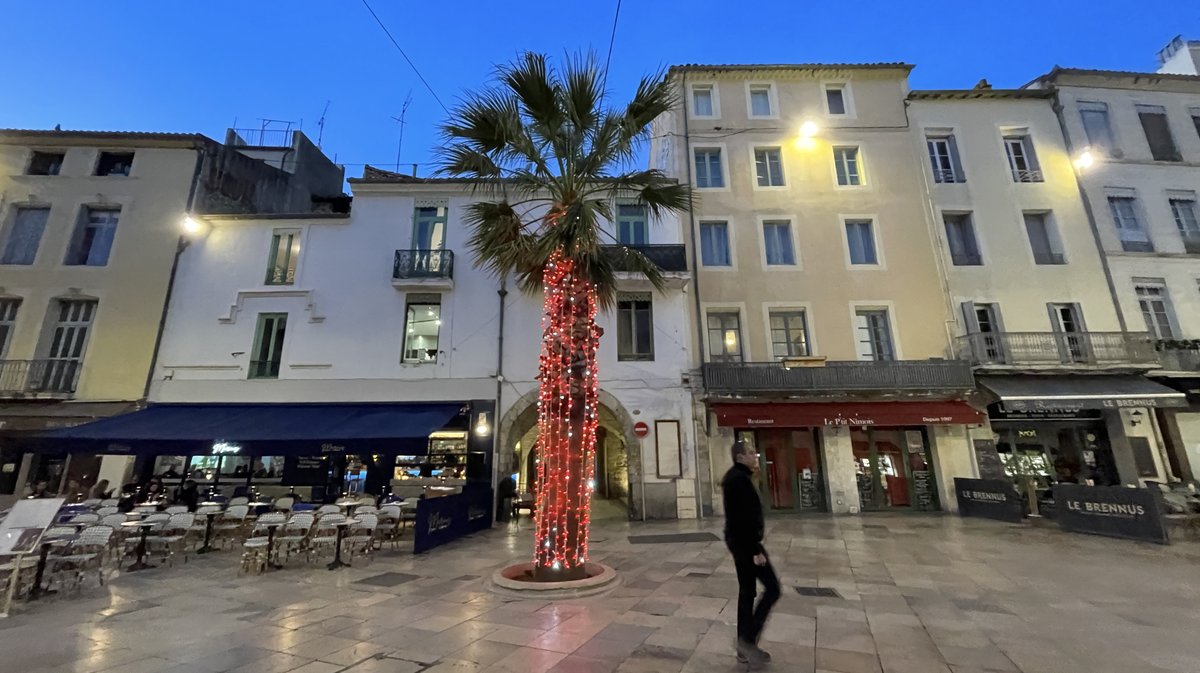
point(743, 512)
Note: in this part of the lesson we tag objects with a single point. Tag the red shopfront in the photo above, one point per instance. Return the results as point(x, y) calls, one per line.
point(890, 442)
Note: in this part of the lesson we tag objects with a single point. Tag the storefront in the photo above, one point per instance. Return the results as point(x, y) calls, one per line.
point(882, 449)
point(315, 451)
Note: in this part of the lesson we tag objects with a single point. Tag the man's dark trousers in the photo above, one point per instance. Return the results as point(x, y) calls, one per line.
point(752, 618)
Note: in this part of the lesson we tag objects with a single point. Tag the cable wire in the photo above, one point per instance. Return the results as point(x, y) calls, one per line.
point(406, 58)
point(611, 39)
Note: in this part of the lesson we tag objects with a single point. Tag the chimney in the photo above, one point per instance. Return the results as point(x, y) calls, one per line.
point(1180, 57)
point(982, 85)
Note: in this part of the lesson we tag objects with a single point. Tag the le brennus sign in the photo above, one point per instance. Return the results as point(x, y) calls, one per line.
point(1113, 511)
point(989, 499)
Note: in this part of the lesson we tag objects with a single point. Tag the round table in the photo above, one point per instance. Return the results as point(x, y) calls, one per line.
point(140, 564)
point(47, 541)
point(208, 526)
point(337, 552)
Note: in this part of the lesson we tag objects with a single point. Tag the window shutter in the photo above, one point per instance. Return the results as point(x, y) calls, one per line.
point(970, 321)
point(955, 162)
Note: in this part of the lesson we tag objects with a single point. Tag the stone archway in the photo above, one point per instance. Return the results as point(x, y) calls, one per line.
point(518, 427)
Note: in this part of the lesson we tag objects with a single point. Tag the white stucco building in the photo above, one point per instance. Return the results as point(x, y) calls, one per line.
point(385, 306)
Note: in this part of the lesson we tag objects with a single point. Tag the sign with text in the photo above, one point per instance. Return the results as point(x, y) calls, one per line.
point(989, 499)
point(23, 527)
point(305, 470)
point(1114, 511)
point(445, 519)
point(988, 459)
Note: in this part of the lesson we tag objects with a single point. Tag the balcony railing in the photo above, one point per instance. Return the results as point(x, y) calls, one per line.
point(263, 137)
point(840, 376)
point(947, 175)
point(1178, 355)
point(1027, 175)
point(423, 264)
point(34, 377)
point(1074, 349)
point(669, 258)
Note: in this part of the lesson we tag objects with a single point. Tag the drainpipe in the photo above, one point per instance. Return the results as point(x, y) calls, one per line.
point(1091, 216)
point(687, 162)
point(180, 246)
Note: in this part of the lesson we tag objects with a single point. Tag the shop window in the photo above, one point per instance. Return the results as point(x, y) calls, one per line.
point(169, 467)
point(236, 467)
point(422, 325)
point(204, 468)
point(267, 468)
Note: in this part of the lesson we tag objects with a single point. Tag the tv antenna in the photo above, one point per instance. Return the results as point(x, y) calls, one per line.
point(400, 119)
point(321, 124)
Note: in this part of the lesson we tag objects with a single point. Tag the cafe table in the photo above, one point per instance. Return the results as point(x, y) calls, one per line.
point(271, 528)
point(48, 541)
point(210, 516)
point(337, 552)
point(141, 564)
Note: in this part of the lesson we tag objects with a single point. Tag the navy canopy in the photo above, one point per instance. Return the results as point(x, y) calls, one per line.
point(262, 429)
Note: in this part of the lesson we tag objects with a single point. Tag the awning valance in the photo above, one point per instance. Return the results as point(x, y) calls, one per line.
point(1072, 393)
point(265, 429)
point(815, 414)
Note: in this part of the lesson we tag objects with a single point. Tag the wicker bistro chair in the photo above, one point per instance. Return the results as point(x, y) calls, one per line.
point(229, 527)
point(284, 503)
point(173, 537)
point(86, 518)
point(239, 500)
point(324, 536)
point(326, 510)
point(293, 536)
point(254, 549)
point(389, 526)
point(91, 502)
point(85, 554)
point(133, 537)
point(366, 501)
point(176, 509)
point(360, 537)
point(105, 511)
point(26, 569)
point(109, 502)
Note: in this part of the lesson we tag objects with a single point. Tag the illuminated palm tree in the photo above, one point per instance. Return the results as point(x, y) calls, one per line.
point(549, 160)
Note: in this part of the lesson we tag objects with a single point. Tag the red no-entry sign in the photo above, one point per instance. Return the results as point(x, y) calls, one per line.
point(641, 429)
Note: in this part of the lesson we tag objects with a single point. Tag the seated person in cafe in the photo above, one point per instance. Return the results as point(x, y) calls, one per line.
point(128, 498)
point(187, 495)
point(241, 471)
point(171, 473)
point(101, 490)
point(260, 470)
point(153, 491)
point(41, 490)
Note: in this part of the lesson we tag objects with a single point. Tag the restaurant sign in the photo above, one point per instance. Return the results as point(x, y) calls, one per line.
point(1113, 511)
point(989, 499)
point(447, 518)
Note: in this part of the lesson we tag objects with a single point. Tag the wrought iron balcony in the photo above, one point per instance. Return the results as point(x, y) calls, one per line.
point(1058, 349)
point(670, 258)
point(423, 268)
point(1179, 355)
point(50, 377)
point(1027, 175)
point(942, 376)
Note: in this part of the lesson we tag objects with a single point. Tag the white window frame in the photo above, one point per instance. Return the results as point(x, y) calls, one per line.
point(1100, 106)
point(863, 181)
point(768, 310)
point(726, 307)
point(1139, 216)
point(1168, 306)
point(716, 99)
point(7, 303)
point(847, 99)
point(409, 303)
point(1176, 196)
point(1053, 233)
point(754, 149)
point(893, 324)
point(772, 99)
point(116, 211)
point(957, 170)
point(762, 236)
point(634, 297)
point(805, 306)
point(1033, 165)
point(880, 260)
point(730, 237)
point(970, 215)
point(724, 152)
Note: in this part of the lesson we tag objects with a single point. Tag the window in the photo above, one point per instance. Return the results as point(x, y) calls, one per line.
point(1097, 128)
point(943, 157)
point(703, 101)
point(760, 100)
point(268, 346)
point(714, 244)
point(724, 336)
point(429, 228)
point(631, 225)
point(1196, 119)
point(8, 322)
point(635, 327)
point(285, 250)
point(1021, 158)
point(93, 237)
point(983, 322)
point(845, 160)
point(835, 99)
point(1156, 307)
point(777, 237)
point(1158, 133)
point(1183, 209)
point(960, 233)
point(1134, 238)
point(789, 334)
point(114, 163)
point(1067, 321)
point(45, 163)
point(874, 334)
point(769, 167)
point(67, 344)
point(860, 237)
point(24, 235)
point(422, 325)
point(1043, 239)
point(708, 169)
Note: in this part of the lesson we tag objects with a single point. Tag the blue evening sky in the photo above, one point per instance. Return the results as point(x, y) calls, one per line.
point(199, 65)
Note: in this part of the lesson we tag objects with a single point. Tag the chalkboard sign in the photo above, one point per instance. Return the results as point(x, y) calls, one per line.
point(1113, 511)
point(305, 470)
point(988, 459)
point(921, 488)
point(810, 498)
point(989, 499)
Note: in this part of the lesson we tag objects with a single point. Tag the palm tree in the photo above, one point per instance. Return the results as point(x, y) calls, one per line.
point(549, 160)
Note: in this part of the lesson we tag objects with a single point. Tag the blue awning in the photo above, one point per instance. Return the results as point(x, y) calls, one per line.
point(262, 429)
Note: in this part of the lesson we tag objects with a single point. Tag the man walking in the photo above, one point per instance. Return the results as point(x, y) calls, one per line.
point(743, 535)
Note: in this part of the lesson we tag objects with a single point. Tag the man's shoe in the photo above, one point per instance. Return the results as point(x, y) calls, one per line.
point(749, 653)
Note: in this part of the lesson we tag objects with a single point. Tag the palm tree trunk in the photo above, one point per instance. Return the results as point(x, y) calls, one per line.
point(567, 416)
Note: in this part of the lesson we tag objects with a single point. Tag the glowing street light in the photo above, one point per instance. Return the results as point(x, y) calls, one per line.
point(809, 129)
point(193, 227)
point(1085, 160)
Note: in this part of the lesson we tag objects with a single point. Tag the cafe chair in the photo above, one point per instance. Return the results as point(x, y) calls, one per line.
point(239, 500)
point(366, 501)
point(85, 554)
point(173, 537)
point(389, 526)
point(325, 510)
point(254, 549)
point(360, 537)
point(109, 502)
point(284, 503)
point(105, 511)
point(324, 536)
point(26, 569)
point(93, 503)
point(293, 536)
point(176, 509)
point(232, 522)
point(87, 518)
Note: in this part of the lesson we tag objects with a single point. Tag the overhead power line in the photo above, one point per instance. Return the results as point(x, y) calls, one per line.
point(406, 58)
point(611, 39)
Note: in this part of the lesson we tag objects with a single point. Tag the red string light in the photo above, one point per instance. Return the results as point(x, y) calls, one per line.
point(567, 417)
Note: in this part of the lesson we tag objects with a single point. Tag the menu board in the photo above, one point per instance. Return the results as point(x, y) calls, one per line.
point(21, 529)
point(810, 498)
point(305, 470)
point(922, 490)
point(988, 460)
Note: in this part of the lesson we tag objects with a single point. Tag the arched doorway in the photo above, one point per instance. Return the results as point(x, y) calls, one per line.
point(615, 472)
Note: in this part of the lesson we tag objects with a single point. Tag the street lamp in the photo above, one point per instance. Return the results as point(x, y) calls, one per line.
point(1085, 160)
point(193, 227)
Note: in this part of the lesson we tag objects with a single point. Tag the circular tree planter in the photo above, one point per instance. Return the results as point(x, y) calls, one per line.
point(517, 580)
